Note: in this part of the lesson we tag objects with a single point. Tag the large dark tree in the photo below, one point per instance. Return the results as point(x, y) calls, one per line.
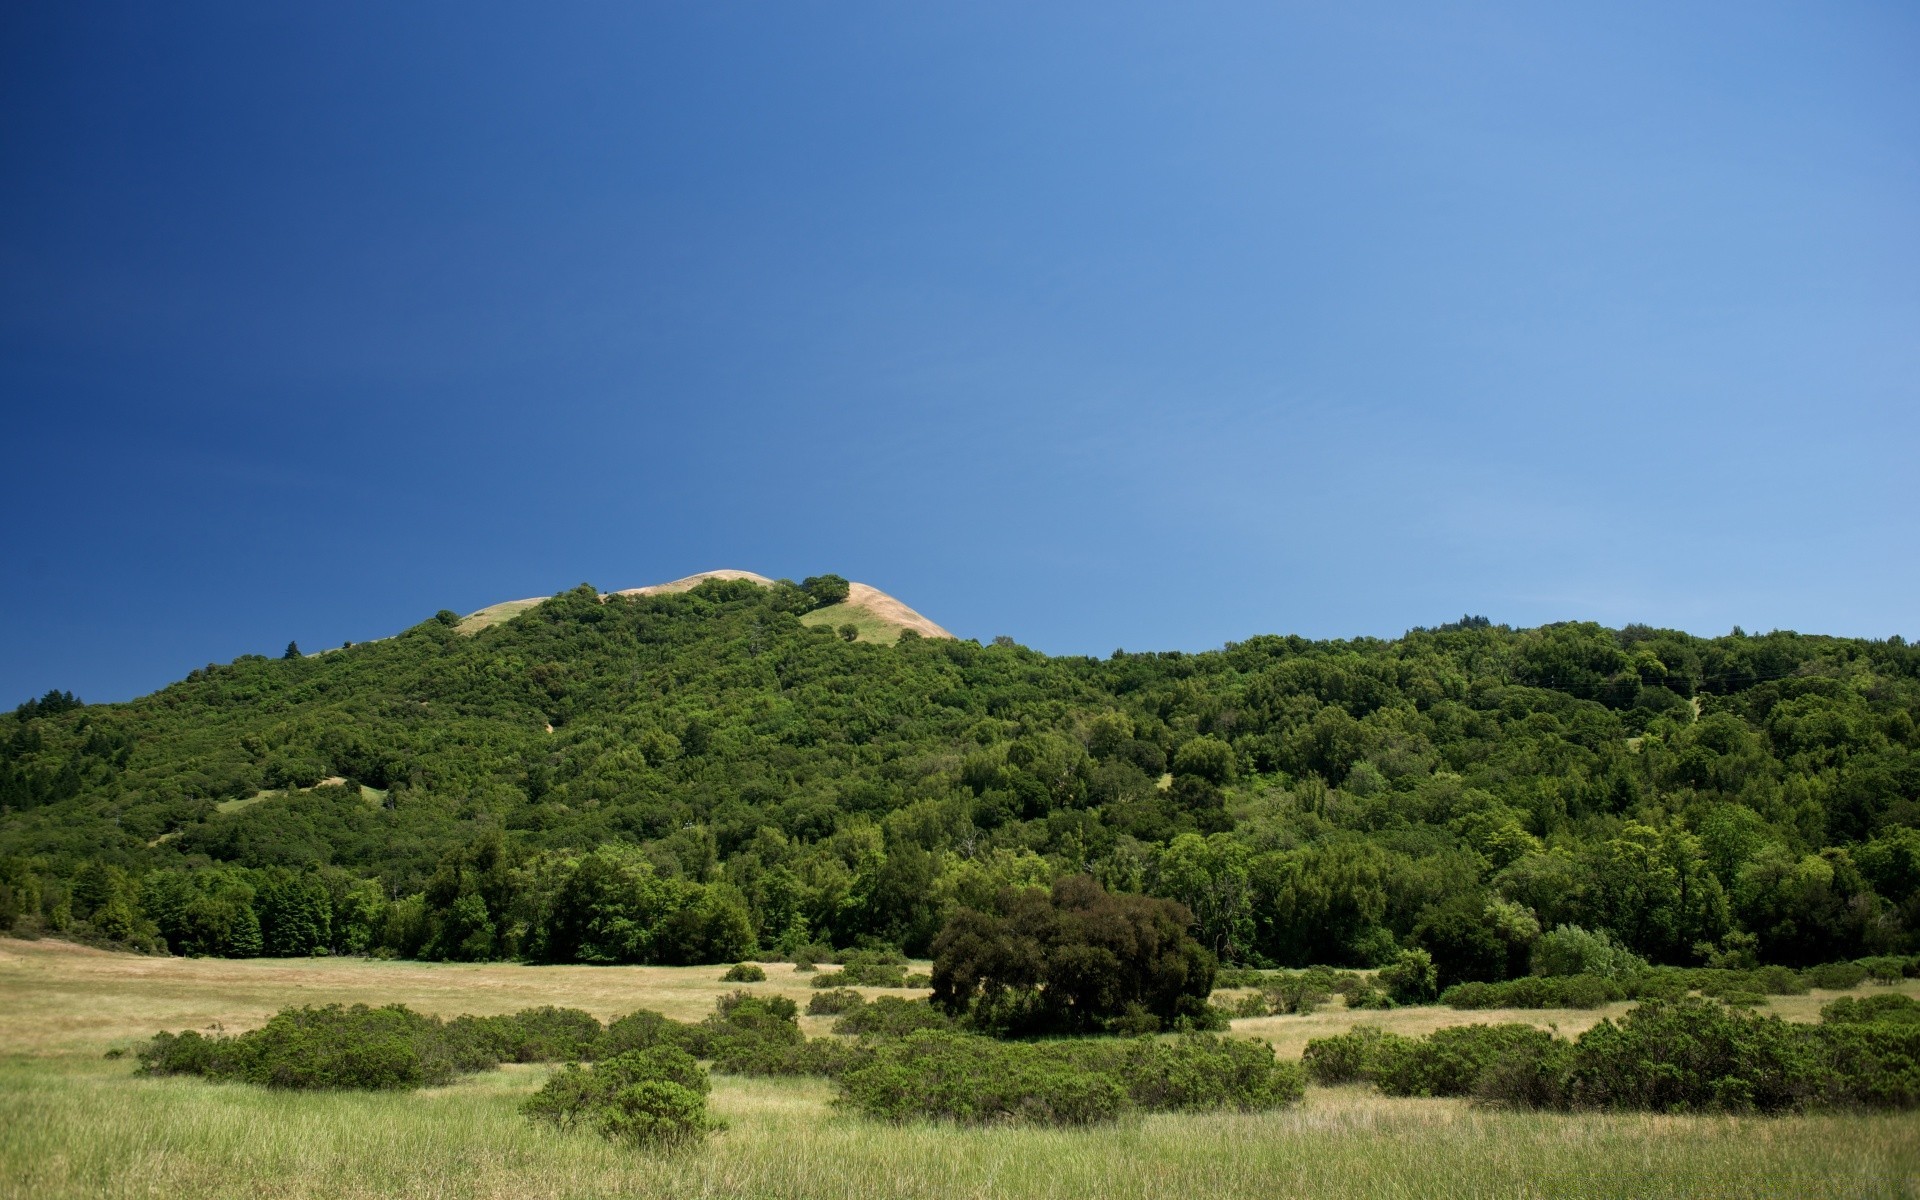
point(1076, 960)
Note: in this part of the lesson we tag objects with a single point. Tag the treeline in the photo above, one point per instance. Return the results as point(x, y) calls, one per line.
point(692, 777)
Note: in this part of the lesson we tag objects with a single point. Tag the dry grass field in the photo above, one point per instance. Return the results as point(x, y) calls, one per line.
point(73, 1123)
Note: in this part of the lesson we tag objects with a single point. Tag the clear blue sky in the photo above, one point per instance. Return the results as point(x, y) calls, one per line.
point(1098, 325)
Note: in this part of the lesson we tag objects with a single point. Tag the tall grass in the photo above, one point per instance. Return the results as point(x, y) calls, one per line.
point(73, 1124)
point(71, 1129)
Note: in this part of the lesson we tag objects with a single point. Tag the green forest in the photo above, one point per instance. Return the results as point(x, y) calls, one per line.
point(701, 777)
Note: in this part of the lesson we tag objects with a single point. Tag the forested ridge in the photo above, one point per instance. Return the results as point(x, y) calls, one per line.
point(693, 777)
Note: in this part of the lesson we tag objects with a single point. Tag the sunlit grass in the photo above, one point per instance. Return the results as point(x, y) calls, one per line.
point(73, 1124)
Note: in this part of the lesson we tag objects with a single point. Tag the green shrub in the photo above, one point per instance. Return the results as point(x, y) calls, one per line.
point(938, 1075)
point(1692, 1054)
point(1411, 978)
point(1886, 968)
point(1450, 1061)
point(1571, 950)
point(1888, 1007)
point(945, 1075)
point(392, 1048)
point(650, 1098)
point(1874, 1064)
point(741, 1022)
point(1533, 991)
point(891, 1017)
point(1349, 1057)
point(1299, 994)
point(1838, 977)
point(745, 972)
point(542, 1034)
point(643, 1029)
point(834, 1002)
point(1196, 1072)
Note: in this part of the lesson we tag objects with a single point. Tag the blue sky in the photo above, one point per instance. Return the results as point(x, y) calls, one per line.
point(1097, 325)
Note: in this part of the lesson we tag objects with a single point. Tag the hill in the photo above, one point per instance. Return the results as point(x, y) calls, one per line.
point(874, 615)
point(683, 772)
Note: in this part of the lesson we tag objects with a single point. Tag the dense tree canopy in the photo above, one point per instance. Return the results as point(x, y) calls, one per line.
point(687, 777)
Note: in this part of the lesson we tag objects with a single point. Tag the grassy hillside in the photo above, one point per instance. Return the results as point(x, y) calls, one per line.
point(750, 775)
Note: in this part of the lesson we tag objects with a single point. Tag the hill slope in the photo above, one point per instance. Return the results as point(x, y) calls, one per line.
point(875, 616)
point(1310, 801)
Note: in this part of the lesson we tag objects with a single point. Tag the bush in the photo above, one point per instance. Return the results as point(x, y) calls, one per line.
point(1300, 993)
point(651, 1098)
point(891, 1017)
point(1886, 968)
point(1890, 1007)
point(745, 972)
point(974, 1080)
point(392, 1048)
point(834, 1002)
point(1411, 978)
point(1692, 1054)
point(1450, 1061)
point(743, 1024)
point(643, 1030)
point(1838, 977)
point(1875, 1064)
point(542, 1034)
point(1349, 1057)
point(943, 1075)
point(1197, 1072)
point(1532, 991)
point(1571, 950)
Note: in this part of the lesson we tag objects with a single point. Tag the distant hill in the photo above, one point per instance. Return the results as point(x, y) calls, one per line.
point(875, 616)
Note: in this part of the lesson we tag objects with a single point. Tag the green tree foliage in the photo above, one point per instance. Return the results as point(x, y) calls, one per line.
point(1075, 960)
point(697, 776)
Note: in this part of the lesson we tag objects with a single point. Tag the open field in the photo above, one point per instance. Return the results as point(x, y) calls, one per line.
point(74, 1124)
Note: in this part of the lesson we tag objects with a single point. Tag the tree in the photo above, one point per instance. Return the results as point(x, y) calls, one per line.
point(826, 589)
point(1073, 960)
point(293, 650)
point(1209, 875)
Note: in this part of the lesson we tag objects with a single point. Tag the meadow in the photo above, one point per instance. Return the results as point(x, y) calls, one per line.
point(75, 1123)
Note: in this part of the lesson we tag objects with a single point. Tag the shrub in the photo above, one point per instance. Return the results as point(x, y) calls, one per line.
point(1889, 1007)
point(945, 1075)
point(1368, 996)
point(654, 1098)
point(643, 1030)
point(1449, 1062)
point(392, 1048)
point(1839, 977)
point(1886, 968)
point(1571, 950)
point(891, 1017)
point(543, 1034)
point(1875, 1064)
point(1348, 1057)
point(1197, 1072)
point(1291, 993)
point(834, 1002)
point(1692, 1054)
point(973, 1080)
point(1532, 991)
point(743, 1023)
point(745, 972)
point(1411, 978)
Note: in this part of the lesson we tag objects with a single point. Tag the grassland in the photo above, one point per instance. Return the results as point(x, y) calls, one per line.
point(75, 1124)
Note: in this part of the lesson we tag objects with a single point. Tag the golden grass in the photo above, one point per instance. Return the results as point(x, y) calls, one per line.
point(73, 1124)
